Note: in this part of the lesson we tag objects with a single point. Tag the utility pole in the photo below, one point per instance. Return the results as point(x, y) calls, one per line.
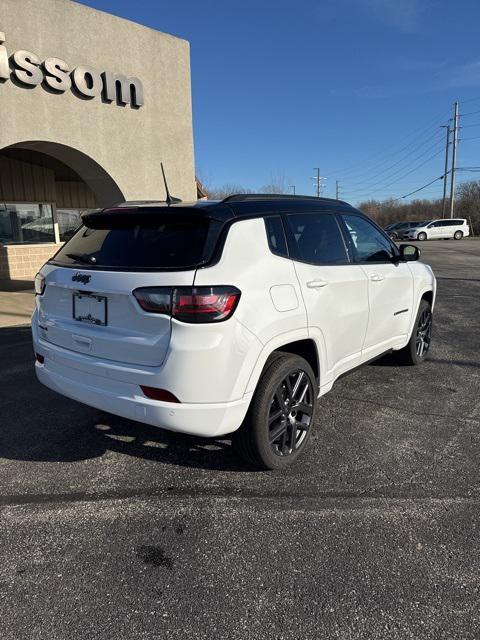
point(454, 158)
point(445, 173)
point(292, 186)
point(337, 189)
point(318, 181)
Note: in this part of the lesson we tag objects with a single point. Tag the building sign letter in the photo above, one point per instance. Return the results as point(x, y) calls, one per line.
point(55, 74)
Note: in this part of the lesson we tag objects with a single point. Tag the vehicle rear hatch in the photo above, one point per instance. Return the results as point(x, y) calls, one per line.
point(88, 305)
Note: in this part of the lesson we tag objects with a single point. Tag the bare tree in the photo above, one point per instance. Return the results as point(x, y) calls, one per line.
point(221, 192)
point(468, 203)
point(278, 183)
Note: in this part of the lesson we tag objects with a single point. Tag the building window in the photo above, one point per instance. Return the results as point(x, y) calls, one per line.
point(68, 221)
point(26, 223)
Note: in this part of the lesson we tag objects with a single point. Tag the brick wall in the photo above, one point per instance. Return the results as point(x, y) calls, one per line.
point(21, 262)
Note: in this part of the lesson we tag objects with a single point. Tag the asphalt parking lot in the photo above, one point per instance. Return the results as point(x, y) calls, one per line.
point(111, 529)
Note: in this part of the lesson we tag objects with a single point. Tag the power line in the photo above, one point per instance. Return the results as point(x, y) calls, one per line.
point(388, 176)
point(470, 113)
point(387, 159)
point(401, 160)
point(470, 100)
point(383, 154)
point(405, 174)
point(419, 189)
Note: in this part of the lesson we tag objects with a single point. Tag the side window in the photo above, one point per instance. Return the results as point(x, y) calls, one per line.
point(368, 244)
point(457, 223)
point(315, 238)
point(276, 236)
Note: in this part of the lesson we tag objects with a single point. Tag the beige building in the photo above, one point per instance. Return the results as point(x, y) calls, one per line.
point(90, 104)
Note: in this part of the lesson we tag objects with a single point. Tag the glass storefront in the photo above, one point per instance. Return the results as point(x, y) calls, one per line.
point(68, 221)
point(34, 223)
point(26, 223)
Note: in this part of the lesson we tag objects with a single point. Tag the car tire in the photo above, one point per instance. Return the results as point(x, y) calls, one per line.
point(419, 344)
point(422, 236)
point(280, 418)
point(458, 235)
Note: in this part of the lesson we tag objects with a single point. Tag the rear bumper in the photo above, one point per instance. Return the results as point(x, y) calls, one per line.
point(126, 400)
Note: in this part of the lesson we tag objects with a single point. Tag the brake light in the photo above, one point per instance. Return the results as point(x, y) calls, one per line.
point(190, 304)
point(204, 304)
point(159, 394)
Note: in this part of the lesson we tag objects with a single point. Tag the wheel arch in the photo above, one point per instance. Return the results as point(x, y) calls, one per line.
point(300, 345)
point(306, 349)
point(428, 296)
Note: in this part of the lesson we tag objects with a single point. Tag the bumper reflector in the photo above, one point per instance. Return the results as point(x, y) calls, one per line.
point(159, 394)
point(39, 358)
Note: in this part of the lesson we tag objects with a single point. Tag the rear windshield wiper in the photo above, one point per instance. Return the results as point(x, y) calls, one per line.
point(85, 258)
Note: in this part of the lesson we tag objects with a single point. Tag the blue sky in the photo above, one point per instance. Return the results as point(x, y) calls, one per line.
point(356, 87)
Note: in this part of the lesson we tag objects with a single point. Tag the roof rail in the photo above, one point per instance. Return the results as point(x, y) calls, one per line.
point(240, 197)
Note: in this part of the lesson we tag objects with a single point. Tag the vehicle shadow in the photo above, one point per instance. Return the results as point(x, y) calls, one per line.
point(76, 433)
point(152, 443)
point(38, 425)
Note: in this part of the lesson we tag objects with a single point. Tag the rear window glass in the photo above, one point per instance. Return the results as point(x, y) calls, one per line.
point(276, 236)
point(315, 238)
point(165, 243)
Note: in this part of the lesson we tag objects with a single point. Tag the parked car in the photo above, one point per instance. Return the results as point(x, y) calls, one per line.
point(395, 231)
point(234, 316)
point(445, 228)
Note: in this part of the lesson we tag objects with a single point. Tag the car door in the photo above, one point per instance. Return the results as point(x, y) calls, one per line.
point(434, 230)
point(448, 228)
point(390, 285)
point(335, 292)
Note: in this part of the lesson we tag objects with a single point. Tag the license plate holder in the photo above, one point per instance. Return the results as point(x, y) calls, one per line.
point(90, 308)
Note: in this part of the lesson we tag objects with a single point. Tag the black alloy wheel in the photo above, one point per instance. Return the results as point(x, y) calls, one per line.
point(291, 413)
point(420, 341)
point(280, 419)
point(424, 333)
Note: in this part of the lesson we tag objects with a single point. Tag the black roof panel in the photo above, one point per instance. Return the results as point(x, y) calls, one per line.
point(238, 206)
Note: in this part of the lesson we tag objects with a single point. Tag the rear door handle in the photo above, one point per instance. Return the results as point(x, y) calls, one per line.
point(82, 341)
point(376, 277)
point(317, 284)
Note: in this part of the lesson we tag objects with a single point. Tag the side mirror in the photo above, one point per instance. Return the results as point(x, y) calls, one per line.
point(409, 252)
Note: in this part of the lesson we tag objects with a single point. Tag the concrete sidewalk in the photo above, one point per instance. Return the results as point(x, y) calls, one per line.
point(16, 307)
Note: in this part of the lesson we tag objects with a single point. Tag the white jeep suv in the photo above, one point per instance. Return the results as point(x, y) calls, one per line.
point(235, 316)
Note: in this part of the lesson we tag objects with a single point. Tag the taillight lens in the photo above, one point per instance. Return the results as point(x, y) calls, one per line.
point(190, 304)
point(204, 304)
point(39, 284)
point(154, 299)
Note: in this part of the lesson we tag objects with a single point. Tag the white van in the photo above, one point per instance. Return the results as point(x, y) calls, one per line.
point(445, 228)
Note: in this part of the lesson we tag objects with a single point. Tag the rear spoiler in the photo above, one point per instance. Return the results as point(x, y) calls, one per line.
point(150, 217)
